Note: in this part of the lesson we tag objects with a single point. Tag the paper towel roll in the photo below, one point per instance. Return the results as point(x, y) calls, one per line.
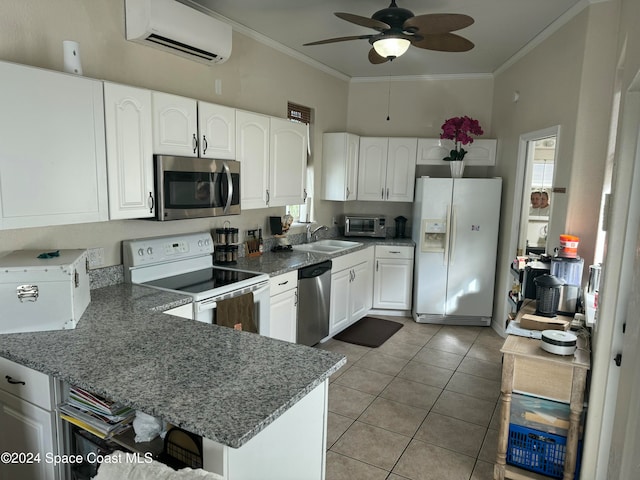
point(71, 51)
point(305, 211)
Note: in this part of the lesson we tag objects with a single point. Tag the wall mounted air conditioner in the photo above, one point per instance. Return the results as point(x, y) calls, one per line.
point(179, 29)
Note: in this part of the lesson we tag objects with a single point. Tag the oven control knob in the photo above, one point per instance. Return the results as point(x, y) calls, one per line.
point(200, 243)
point(140, 251)
point(206, 241)
point(149, 250)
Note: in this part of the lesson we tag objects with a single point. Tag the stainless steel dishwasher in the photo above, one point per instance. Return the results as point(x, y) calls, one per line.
point(314, 292)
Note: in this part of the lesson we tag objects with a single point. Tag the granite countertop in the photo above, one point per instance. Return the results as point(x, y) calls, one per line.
point(216, 382)
point(277, 263)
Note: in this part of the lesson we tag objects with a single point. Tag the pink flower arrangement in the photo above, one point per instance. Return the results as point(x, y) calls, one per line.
point(460, 129)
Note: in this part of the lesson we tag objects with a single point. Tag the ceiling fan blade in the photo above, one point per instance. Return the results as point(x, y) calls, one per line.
point(437, 23)
point(446, 42)
point(375, 58)
point(363, 21)
point(339, 39)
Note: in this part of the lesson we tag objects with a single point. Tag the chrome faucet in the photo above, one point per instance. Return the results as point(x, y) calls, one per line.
point(312, 233)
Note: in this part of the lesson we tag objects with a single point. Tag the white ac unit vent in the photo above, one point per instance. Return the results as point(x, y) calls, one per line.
point(179, 29)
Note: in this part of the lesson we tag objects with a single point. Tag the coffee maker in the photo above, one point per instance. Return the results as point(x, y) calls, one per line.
point(401, 226)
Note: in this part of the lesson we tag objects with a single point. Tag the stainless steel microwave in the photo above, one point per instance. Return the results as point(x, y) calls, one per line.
point(365, 226)
point(190, 187)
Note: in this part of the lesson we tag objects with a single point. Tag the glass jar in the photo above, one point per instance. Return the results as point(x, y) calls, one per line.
point(221, 254)
point(233, 250)
point(221, 236)
point(232, 236)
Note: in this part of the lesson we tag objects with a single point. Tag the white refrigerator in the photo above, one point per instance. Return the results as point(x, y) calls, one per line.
point(455, 227)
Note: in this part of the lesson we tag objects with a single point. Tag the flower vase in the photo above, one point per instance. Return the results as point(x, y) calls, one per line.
point(457, 167)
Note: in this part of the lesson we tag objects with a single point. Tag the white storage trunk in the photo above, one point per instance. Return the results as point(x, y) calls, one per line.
point(39, 294)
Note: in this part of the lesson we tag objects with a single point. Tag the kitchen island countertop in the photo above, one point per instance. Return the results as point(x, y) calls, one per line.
point(216, 382)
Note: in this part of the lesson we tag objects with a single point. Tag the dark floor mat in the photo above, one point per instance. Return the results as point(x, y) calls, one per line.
point(369, 332)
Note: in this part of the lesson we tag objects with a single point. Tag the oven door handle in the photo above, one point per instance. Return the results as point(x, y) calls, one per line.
point(227, 172)
point(211, 303)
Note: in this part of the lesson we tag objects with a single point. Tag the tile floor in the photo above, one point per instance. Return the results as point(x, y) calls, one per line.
point(422, 406)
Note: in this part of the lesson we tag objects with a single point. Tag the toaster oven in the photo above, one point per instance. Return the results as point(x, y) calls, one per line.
point(365, 226)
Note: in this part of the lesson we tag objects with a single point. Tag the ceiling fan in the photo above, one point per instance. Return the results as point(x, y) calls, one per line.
point(399, 28)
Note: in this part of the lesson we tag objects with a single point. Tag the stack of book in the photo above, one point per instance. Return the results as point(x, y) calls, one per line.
point(96, 414)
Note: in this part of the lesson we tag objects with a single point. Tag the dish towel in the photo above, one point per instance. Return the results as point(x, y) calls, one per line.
point(237, 313)
point(120, 469)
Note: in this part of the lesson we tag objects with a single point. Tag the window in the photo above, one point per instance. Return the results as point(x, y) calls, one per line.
point(302, 114)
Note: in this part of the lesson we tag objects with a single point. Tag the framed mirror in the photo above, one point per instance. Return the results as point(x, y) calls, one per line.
point(537, 200)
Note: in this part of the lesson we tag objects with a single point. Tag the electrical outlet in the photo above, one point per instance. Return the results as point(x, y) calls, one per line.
point(96, 257)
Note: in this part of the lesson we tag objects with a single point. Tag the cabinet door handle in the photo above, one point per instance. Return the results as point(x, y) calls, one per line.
point(393, 251)
point(194, 142)
point(204, 144)
point(14, 382)
point(304, 198)
point(377, 265)
point(382, 194)
point(387, 194)
point(284, 283)
point(151, 202)
point(296, 300)
point(267, 196)
point(348, 192)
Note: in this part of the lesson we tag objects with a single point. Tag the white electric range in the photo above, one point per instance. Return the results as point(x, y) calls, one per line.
point(184, 264)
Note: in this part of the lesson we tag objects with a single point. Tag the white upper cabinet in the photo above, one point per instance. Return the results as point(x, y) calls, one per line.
point(217, 128)
point(340, 166)
point(386, 169)
point(482, 152)
point(52, 148)
point(128, 123)
point(190, 128)
point(252, 148)
point(175, 125)
point(287, 162)
point(273, 156)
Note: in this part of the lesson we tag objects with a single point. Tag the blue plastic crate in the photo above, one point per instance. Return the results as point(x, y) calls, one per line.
point(538, 451)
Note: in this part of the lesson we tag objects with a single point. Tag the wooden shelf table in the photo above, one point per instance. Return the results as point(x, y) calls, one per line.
point(530, 370)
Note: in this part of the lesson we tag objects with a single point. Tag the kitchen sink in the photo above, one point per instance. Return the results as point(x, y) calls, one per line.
point(329, 245)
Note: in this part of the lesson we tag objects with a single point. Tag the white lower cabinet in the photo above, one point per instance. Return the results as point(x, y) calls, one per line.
point(393, 277)
point(283, 313)
point(28, 423)
point(351, 289)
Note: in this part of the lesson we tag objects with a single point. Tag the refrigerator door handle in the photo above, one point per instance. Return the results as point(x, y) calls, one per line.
point(445, 260)
point(454, 230)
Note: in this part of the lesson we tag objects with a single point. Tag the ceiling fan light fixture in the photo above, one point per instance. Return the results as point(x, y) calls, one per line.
point(391, 47)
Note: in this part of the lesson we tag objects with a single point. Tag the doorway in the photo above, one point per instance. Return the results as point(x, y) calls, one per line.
point(537, 156)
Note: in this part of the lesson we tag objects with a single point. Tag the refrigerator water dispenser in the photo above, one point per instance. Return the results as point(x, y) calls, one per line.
point(434, 235)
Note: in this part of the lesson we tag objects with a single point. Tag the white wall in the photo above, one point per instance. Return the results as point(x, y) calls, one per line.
point(256, 77)
point(558, 84)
